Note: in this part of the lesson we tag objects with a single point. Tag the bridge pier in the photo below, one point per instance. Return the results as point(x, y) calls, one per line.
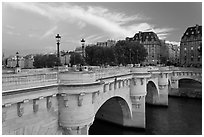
point(138, 113)
point(174, 83)
point(76, 102)
point(137, 94)
point(163, 88)
point(76, 130)
point(163, 95)
point(76, 113)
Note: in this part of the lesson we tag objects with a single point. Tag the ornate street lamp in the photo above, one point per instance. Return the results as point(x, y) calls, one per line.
point(130, 50)
point(82, 46)
point(58, 38)
point(137, 56)
point(17, 64)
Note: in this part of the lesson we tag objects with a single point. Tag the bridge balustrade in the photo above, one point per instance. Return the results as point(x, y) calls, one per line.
point(111, 71)
point(13, 81)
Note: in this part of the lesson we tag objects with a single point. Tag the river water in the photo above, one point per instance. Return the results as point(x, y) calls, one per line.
point(183, 116)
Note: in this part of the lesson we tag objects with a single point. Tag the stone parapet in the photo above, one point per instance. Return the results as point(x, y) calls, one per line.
point(24, 81)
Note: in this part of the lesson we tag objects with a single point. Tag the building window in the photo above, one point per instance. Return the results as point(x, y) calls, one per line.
point(185, 49)
point(198, 58)
point(191, 48)
point(191, 58)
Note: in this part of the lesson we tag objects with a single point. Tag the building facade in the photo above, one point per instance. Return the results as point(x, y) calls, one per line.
point(12, 62)
point(107, 43)
point(151, 43)
point(173, 53)
point(191, 47)
point(170, 53)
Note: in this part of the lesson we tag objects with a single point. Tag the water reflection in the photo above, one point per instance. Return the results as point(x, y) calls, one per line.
point(183, 116)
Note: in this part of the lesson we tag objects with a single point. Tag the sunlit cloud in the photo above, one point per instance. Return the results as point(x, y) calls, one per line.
point(173, 42)
point(93, 38)
point(115, 24)
point(49, 32)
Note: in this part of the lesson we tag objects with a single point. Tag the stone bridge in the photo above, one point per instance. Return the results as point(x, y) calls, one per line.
point(68, 102)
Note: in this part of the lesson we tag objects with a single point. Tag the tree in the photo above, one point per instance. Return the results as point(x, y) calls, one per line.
point(98, 55)
point(51, 61)
point(76, 59)
point(129, 52)
point(44, 61)
point(163, 59)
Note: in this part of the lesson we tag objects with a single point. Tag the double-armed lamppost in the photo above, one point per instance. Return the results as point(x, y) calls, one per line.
point(58, 38)
point(17, 64)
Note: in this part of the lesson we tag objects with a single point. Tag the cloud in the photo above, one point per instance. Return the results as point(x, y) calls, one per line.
point(115, 24)
point(120, 18)
point(173, 42)
point(81, 24)
point(13, 33)
point(32, 35)
point(10, 27)
point(93, 38)
point(49, 32)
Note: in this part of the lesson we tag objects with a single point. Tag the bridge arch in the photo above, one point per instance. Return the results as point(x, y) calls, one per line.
point(152, 93)
point(115, 110)
point(189, 83)
point(169, 84)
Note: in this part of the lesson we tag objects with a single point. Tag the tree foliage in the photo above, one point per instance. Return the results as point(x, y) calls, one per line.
point(124, 52)
point(45, 61)
point(129, 52)
point(98, 55)
point(76, 59)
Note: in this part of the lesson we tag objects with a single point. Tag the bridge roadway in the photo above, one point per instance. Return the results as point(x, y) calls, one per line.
point(68, 102)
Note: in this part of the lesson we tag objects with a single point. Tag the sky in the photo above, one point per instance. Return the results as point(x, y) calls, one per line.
point(30, 27)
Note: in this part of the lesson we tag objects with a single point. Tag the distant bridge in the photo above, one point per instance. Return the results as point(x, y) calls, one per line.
point(68, 102)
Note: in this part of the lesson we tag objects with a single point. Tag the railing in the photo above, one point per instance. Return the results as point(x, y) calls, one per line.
point(185, 69)
point(17, 81)
point(24, 80)
point(111, 71)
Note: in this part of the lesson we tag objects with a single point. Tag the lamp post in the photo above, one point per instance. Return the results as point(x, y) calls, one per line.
point(82, 46)
point(130, 50)
point(58, 38)
point(137, 56)
point(17, 64)
point(65, 62)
